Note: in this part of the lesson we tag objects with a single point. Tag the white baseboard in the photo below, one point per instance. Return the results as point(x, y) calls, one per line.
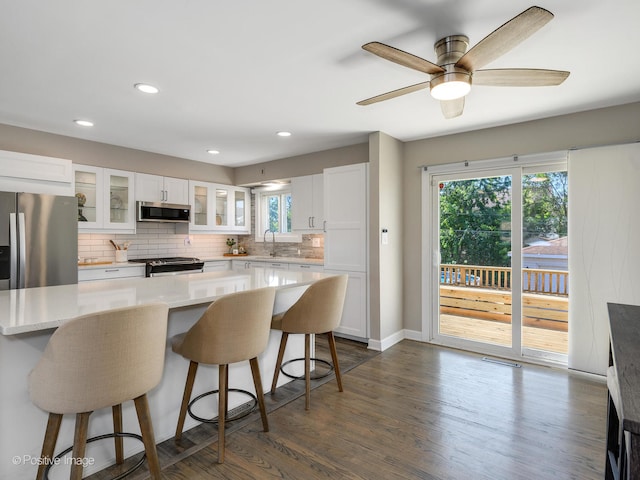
point(391, 340)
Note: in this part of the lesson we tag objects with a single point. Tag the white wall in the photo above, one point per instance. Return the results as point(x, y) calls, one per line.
point(604, 254)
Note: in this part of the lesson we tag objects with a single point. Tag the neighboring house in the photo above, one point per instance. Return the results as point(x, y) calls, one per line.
point(546, 254)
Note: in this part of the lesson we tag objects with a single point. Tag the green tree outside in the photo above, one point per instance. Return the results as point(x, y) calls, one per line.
point(475, 216)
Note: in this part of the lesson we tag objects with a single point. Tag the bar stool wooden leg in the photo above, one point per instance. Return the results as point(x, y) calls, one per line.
point(148, 438)
point(276, 373)
point(307, 371)
point(79, 445)
point(222, 409)
point(257, 382)
point(334, 357)
point(226, 392)
point(188, 388)
point(49, 444)
point(117, 428)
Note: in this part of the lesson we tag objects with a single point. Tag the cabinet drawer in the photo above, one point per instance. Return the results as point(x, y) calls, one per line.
point(109, 273)
point(274, 265)
point(306, 267)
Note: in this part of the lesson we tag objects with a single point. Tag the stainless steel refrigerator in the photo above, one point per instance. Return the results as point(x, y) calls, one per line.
point(38, 240)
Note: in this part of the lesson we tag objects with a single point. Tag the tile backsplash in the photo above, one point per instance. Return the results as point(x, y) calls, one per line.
point(305, 249)
point(153, 240)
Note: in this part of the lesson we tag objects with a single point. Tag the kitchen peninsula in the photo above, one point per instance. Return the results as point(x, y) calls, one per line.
point(27, 320)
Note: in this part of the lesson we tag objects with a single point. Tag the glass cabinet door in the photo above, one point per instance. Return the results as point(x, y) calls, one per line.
point(88, 191)
point(240, 204)
point(120, 202)
point(222, 196)
point(200, 206)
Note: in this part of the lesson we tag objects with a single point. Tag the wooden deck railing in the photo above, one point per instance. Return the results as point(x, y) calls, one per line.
point(549, 282)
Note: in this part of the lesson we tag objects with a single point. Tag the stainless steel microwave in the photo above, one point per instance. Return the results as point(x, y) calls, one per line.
point(162, 212)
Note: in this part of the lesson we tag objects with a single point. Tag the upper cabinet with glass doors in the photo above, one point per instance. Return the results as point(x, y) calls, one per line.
point(219, 208)
point(105, 199)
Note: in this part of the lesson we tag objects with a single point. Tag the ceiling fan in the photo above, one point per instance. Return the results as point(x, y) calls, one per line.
point(457, 69)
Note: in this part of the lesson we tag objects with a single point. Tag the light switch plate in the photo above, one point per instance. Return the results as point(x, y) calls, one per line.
point(315, 242)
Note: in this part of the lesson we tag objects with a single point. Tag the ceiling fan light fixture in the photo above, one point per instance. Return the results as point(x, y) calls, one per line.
point(450, 86)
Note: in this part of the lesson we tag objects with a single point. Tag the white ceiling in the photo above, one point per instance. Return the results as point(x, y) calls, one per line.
point(231, 74)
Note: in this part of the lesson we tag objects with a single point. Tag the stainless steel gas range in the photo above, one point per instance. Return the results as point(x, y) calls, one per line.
point(156, 267)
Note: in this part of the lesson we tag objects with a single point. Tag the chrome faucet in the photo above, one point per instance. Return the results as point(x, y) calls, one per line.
point(273, 241)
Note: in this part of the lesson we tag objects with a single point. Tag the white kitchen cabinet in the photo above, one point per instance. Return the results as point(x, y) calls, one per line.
point(346, 241)
point(277, 265)
point(155, 188)
point(245, 264)
point(202, 209)
point(307, 207)
point(110, 273)
point(217, 266)
point(24, 172)
point(219, 208)
point(105, 199)
point(241, 210)
point(307, 267)
point(355, 316)
point(346, 218)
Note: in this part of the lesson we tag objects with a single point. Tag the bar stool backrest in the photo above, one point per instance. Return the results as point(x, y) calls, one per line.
point(319, 309)
point(101, 360)
point(234, 328)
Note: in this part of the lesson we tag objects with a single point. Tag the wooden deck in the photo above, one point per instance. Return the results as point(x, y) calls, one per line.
point(490, 331)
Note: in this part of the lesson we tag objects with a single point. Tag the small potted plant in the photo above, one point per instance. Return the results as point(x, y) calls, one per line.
point(230, 243)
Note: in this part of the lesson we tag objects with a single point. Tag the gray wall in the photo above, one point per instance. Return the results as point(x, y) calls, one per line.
point(301, 165)
point(613, 125)
point(86, 152)
point(385, 261)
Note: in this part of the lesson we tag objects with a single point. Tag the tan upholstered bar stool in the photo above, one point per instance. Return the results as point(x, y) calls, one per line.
point(233, 329)
point(317, 311)
point(97, 361)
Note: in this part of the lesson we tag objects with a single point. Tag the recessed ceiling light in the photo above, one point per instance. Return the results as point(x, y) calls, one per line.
point(284, 134)
point(143, 87)
point(83, 123)
point(213, 152)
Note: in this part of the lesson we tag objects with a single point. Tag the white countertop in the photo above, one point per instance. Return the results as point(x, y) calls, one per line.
point(266, 258)
point(34, 309)
point(253, 258)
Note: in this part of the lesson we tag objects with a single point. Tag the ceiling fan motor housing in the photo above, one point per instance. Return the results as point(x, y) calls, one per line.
point(448, 51)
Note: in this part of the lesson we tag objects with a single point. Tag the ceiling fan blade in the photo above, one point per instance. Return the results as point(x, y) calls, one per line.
point(519, 77)
point(452, 108)
point(394, 93)
point(504, 38)
point(402, 58)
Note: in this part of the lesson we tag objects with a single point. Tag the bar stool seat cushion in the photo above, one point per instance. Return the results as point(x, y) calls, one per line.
point(62, 383)
point(220, 338)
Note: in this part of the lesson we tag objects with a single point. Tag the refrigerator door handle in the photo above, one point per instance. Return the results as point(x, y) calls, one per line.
point(13, 260)
point(22, 250)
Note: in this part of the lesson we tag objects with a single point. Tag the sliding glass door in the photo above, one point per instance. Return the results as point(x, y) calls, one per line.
point(499, 278)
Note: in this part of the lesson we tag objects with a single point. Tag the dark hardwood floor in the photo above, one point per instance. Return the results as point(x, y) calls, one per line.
point(415, 411)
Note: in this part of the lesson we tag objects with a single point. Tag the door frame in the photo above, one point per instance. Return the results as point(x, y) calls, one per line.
point(515, 166)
